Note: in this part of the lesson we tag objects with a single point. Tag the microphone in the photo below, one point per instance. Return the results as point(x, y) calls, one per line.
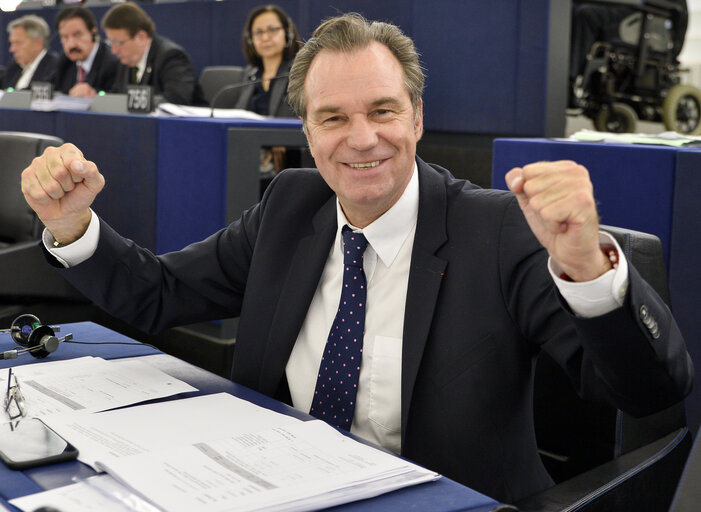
point(232, 87)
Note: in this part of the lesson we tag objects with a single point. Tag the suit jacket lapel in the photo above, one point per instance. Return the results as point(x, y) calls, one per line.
point(425, 277)
point(146, 78)
point(247, 90)
point(91, 77)
point(278, 88)
point(306, 268)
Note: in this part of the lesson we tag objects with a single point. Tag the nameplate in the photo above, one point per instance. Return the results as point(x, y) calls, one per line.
point(42, 91)
point(139, 99)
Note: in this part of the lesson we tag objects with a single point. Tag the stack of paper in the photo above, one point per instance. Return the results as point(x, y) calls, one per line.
point(665, 139)
point(171, 109)
point(305, 466)
point(62, 102)
point(220, 453)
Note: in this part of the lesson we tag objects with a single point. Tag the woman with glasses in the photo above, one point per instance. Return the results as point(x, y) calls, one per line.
point(270, 42)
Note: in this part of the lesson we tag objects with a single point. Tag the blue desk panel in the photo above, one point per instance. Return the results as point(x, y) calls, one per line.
point(442, 495)
point(19, 120)
point(125, 149)
point(654, 189)
point(192, 176)
point(165, 178)
point(626, 196)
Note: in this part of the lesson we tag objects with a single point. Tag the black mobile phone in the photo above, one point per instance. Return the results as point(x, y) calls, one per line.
point(30, 442)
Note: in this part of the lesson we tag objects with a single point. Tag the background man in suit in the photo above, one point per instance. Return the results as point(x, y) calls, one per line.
point(452, 298)
point(149, 59)
point(87, 65)
point(32, 62)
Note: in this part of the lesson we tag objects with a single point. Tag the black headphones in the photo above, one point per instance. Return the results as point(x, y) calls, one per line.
point(37, 339)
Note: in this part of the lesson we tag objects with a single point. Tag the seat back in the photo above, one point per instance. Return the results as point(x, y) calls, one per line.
point(575, 435)
point(688, 495)
point(214, 79)
point(18, 223)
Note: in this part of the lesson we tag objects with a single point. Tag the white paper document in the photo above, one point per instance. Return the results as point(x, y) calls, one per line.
point(100, 492)
point(61, 102)
point(303, 466)
point(171, 109)
point(217, 453)
point(153, 427)
point(90, 384)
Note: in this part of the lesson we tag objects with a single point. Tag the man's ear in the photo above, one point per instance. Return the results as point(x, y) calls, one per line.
point(419, 120)
point(306, 134)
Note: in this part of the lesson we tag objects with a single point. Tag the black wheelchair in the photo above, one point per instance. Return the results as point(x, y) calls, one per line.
point(633, 73)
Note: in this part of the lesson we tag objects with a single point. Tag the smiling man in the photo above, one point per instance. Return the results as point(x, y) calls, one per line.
point(383, 295)
point(87, 66)
point(31, 59)
point(149, 59)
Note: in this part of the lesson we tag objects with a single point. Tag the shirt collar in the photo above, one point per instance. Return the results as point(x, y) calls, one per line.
point(87, 63)
point(37, 60)
point(387, 234)
point(142, 62)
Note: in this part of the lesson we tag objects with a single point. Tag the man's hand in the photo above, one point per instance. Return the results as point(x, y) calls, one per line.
point(82, 90)
point(557, 199)
point(60, 186)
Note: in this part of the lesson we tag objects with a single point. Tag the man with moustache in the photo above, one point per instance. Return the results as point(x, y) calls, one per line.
point(87, 66)
point(32, 61)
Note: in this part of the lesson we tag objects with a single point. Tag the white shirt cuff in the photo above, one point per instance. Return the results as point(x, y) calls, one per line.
point(600, 296)
point(78, 251)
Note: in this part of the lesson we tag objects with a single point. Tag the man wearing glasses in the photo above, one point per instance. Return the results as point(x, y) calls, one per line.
point(87, 65)
point(149, 59)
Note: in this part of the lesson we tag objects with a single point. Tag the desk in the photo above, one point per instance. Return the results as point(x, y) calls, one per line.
point(441, 495)
point(169, 181)
point(647, 188)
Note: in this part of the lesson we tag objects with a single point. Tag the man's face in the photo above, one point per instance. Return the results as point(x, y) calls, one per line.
point(128, 49)
point(76, 39)
point(361, 128)
point(23, 48)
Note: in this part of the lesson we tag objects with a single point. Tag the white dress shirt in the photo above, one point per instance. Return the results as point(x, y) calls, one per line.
point(386, 263)
point(141, 66)
point(87, 63)
point(28, 72)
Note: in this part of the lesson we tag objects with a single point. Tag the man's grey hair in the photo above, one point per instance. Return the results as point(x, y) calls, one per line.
point(347, 33)
point(34, 26)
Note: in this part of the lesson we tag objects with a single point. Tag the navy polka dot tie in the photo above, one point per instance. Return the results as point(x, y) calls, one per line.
point(337, 382)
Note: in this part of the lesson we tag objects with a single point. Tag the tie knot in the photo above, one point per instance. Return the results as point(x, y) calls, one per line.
point(354, 245)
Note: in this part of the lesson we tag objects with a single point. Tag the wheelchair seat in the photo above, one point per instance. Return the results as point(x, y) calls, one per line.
point(632, 72)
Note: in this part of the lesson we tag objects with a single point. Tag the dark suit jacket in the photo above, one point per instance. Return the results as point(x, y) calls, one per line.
point(170, 73)
point(43, 73)
point(480, 306)
point(279, 107)
point(102, 73)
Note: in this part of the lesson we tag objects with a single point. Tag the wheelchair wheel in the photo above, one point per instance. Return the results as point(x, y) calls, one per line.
point(681, 110)
point(619, 118)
